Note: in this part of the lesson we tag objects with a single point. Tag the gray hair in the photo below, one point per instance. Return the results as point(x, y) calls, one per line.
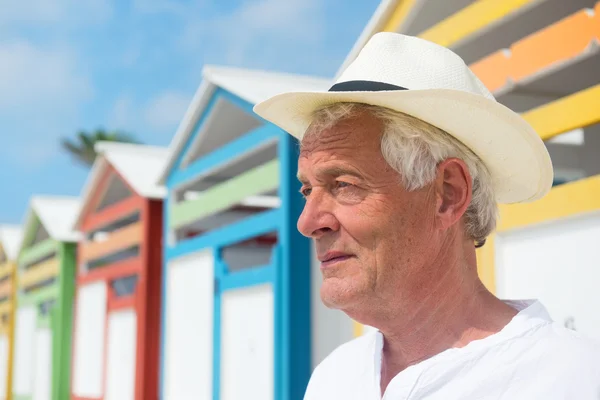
point(414, 148)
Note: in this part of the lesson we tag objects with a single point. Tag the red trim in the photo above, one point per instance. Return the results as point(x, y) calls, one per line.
point(146, 300)
point(110, 272)
point(98, 193)
point(149, 305)
point(119, 303)
point(112, 213)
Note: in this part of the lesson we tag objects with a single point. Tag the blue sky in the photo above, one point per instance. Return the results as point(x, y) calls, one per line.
point(133, 65)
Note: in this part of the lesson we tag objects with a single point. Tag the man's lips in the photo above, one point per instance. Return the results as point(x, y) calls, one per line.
point(332, 257)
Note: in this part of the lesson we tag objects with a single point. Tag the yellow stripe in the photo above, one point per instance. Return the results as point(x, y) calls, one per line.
point(39, 272)
point(6, 268)
point(563, 201)
point(358, 329)
point(472, 19)
point(5, 307)
point(398, 16)
point(486, 264)
point(11, 333)
point(575, 111)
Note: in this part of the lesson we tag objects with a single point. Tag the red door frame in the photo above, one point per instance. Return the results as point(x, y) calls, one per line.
point(145, 301)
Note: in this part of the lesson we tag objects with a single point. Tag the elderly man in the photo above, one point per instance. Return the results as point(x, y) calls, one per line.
point(402, 163)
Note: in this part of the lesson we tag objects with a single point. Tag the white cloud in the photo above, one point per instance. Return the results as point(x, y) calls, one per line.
point(166, 110)
point(41, 91)
point(42, 12)
point(33, 77)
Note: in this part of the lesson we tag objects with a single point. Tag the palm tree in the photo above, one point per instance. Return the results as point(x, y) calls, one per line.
point(82, 147)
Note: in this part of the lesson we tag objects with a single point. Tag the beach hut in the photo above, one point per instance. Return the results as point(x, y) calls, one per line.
point(542, 59)
point(117, 312)
point(10, 239)
point(237, 279)
point(45, 276)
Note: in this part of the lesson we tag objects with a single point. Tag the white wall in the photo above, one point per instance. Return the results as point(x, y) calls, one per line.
point(23, 371)
point(247, 343)
point(88, 356)
point(120, 362)
point(557, 263)
point(42, 386)
point(189, 328)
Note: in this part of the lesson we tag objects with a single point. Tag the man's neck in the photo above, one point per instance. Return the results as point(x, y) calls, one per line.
point(456, 311)
point(445, 328)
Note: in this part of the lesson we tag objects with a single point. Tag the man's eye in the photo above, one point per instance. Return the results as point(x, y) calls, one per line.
point(305, 191)
point(341, 184)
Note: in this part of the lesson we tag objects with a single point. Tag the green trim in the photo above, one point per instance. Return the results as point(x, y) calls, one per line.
point(39, 296)
point(224, 195)
point(59, 320)
point(38, 251)
point(62, 322)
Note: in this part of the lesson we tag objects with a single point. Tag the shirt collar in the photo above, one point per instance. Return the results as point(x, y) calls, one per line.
point(531, 314)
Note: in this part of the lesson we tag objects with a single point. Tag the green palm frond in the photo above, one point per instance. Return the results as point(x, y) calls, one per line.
point(82, 147)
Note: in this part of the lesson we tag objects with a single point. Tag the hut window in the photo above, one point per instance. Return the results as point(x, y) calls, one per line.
point(124, 286)
point(254, 252)
point(46, 306)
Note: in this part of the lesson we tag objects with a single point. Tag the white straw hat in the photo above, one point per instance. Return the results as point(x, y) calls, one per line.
point(432, 83)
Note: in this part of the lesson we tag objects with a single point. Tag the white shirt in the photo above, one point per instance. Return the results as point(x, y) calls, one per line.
point(530, 358)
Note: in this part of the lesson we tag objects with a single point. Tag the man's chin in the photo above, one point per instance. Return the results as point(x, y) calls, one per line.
point(338, 296)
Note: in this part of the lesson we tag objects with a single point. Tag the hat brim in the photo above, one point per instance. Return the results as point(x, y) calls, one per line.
point(514, 154)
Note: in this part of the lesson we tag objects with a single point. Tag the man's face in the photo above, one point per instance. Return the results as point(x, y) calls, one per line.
point(372, 236)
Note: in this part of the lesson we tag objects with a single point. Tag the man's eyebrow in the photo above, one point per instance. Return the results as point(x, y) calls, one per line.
point(301, 178)
point(332, 172)
point(339, 171)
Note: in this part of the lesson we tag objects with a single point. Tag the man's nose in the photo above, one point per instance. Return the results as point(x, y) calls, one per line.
point(317, 218)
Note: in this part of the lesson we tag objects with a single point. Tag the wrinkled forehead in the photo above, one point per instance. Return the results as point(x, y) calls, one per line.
point(359, 132)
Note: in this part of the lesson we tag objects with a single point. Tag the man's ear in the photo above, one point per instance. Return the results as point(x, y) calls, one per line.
point(454, 192)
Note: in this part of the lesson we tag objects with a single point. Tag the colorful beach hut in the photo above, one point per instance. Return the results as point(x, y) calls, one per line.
point(10, 239)
point(117, 312)
point(542, 59)
point(45, 277)
point(237, 306)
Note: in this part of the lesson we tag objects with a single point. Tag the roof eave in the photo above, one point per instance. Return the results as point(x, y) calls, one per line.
point(95, 175)
point(186, 127)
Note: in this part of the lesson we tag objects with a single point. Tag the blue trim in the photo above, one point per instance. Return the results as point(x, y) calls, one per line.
point(279, 359)
point(294, 346)
point(247, 228)
point(225, 154)
point(289, 271)
point(218, 93)
point(278, 272)
point(247, 277)
point(239, 102)
point(163, 305)
point(219, 272)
